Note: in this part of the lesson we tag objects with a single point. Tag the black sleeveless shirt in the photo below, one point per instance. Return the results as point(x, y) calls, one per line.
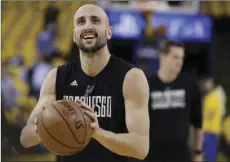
point(104, 93)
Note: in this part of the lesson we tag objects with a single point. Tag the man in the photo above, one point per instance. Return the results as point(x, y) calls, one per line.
point(214, 105)
point(175, 100)
point(116, 91)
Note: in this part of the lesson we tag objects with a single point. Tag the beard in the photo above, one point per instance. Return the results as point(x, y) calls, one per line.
point(100, 43)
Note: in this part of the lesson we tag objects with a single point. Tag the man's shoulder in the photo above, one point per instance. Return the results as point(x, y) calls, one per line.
point(66, 67)
point(120, 67)
point(121, 63)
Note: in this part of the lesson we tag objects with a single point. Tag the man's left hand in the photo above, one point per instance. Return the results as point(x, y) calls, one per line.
point(90, 113)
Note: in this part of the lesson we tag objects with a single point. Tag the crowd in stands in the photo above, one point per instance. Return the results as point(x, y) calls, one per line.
point(21, 82)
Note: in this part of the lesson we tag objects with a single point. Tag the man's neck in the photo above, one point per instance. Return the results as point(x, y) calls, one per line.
point(93, 64)
point(166, 76)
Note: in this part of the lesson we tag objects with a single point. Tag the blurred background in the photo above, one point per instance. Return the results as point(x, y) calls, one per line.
point(37, 36)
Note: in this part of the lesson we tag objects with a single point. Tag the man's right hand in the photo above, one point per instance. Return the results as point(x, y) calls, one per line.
point(36, 123)
point(29, 136)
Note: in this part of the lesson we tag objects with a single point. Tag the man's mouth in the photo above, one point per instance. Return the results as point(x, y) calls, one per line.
point(89, 36)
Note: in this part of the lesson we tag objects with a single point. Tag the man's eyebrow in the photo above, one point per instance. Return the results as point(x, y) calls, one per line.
point(78, 18)
point(94, 16)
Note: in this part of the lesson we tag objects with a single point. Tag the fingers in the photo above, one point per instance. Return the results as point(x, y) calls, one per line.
point(38, 137)
point(89, 112)
point(79, 102)
point(85, 106)
point(93, 125)
point(36, 120)
point(91, 115)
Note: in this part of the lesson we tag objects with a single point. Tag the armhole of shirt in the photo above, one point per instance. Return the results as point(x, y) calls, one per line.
point(57, 84)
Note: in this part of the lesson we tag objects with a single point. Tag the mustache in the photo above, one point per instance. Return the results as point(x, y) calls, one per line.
point(88, 31)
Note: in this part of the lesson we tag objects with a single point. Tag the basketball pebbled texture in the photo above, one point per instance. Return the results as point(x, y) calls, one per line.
point(63, 128)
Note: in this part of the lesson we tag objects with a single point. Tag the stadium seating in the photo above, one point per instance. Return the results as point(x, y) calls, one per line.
point(23, 21)
point(215, 8)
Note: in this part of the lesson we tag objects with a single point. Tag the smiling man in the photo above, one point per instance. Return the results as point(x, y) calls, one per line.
point(114, 92)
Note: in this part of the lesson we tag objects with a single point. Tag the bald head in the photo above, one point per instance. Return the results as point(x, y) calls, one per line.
point(93, 10)
point(91, 28)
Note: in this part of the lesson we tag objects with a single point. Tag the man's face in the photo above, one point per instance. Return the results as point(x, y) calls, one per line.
point(174, 59)
point(206, 85)
point(91, 29)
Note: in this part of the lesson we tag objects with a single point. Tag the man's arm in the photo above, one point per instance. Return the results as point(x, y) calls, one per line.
point(29, 136)
point(136, 142)
point(197, 118)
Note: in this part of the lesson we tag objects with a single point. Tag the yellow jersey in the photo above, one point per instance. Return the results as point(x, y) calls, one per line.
point(226, 129)
point(214, 110)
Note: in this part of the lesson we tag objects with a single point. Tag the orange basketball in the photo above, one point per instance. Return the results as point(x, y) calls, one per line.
point(63, 128)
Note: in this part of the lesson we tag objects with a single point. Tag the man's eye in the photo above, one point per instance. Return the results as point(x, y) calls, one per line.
point(81, 22)
point(96, 21)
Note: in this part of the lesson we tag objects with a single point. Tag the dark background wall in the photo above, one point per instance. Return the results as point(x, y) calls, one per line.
point(222, 54)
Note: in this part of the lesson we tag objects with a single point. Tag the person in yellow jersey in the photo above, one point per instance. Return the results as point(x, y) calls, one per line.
point(213, 113)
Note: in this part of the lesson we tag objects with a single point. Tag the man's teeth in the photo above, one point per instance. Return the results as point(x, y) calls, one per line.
point(88, 36)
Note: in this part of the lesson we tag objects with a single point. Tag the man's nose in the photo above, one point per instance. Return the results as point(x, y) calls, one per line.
point(88, 25)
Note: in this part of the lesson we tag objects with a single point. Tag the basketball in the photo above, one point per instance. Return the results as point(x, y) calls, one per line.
point(63, 128)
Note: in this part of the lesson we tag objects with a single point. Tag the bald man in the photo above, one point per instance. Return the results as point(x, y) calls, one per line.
point(114, 92)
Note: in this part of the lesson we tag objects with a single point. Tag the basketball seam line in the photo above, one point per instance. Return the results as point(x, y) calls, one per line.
point(54, 137)
point(85, 126)
point(67, 124)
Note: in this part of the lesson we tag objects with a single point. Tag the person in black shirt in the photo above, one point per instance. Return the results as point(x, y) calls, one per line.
point(103, 83)
point(175, 102)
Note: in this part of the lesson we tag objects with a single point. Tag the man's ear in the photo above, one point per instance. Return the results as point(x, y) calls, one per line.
point(109, 32)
